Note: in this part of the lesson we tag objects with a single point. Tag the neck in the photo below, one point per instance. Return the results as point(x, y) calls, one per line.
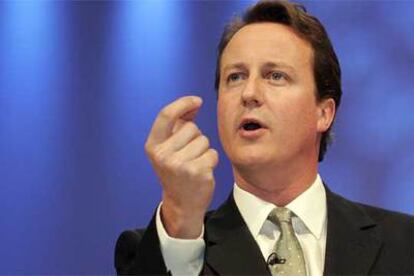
point(276, 185)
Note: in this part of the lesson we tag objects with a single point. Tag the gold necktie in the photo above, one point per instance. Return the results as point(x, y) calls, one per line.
point(289, 258)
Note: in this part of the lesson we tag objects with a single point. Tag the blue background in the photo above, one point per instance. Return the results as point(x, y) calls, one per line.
point(80, 85)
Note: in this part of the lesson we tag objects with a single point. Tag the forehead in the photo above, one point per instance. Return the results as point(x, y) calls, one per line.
point(267, 42)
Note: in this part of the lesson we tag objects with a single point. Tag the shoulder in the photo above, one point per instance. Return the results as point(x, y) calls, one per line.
point(377, 214)
point(396, 228)
point(394, 225)
point(129, 240)
point(383, 217)
point(388, 216)
point(126, 248)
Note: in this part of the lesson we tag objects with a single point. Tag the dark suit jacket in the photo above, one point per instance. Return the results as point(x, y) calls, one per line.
point(361, 240)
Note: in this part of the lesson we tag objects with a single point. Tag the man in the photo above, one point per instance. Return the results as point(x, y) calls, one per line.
point(278, 82)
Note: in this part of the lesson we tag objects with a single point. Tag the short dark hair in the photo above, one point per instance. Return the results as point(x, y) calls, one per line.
point(326, 68)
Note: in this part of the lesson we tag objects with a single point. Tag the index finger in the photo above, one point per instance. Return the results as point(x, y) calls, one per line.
point(164, 123)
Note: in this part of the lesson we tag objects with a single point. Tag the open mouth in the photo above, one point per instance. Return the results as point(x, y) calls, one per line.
point(251, 125)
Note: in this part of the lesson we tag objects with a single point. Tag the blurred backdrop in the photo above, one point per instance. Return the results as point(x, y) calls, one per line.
point(81, 83)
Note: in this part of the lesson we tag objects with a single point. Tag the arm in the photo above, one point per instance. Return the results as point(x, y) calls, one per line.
point(137, 252)
point(181, 256)
point(153, 251)
point(184, 162)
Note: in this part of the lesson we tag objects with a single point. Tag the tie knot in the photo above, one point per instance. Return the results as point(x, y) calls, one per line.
point(279, 215)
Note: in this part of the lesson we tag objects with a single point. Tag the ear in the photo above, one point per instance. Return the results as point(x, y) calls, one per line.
point(326, 114)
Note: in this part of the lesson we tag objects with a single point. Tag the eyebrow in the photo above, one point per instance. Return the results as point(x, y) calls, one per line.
point(269, 64)
point(239, 65)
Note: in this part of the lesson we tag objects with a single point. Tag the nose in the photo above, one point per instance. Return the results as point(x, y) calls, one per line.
point(252, 95)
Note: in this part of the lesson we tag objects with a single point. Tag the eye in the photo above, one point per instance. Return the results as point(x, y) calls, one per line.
point(277, 76)
point(233, 77)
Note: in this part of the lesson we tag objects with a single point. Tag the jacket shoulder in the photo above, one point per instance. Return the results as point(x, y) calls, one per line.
point(395, 225)
point(383, 217)
point(126, 249)
point(138, 252)
point(389, 221)
point(396, 229)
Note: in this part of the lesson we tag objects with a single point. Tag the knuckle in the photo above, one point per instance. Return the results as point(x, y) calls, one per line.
point(208, 177)
point(165, 113)
point(192, 127)
point(214, 156)
point(192, 171)
point(174, 163)
point(213, 153)
point(205, 141)
point(147, 148)
point(157, 153)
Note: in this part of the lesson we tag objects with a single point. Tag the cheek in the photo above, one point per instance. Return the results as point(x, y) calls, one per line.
point(298, 115)
point(306, 118)
point(222, 116)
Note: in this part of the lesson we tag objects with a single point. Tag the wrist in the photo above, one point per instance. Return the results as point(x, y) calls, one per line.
point(180, 223)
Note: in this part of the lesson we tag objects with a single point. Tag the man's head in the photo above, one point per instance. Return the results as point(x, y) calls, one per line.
point(324, 65)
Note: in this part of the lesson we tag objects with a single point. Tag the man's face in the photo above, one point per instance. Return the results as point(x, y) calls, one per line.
point(267, 107)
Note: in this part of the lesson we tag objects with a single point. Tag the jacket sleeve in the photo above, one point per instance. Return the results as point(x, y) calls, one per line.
point(137, 252)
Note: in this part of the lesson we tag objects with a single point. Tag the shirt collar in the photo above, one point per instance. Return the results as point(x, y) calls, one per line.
point(310, 207)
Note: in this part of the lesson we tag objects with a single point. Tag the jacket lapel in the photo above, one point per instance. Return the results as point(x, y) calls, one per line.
point(353, 238)
point(353, 241)
point(230, 248)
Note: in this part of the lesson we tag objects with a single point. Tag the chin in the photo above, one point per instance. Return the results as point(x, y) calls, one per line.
point(251, 158)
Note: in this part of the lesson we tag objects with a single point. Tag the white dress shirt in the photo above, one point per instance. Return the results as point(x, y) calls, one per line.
point(185, 257)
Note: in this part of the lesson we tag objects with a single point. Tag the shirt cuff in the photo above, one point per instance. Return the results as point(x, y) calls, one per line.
point(181, 256)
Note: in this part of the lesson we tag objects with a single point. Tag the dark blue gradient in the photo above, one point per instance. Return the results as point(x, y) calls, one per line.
point(81, 83)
